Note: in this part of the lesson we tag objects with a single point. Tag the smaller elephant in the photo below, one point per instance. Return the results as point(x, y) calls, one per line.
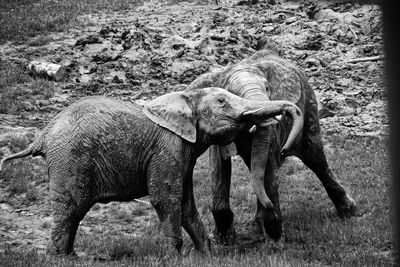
point(101, 150)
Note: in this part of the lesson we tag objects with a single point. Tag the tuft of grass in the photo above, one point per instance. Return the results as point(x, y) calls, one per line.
point(18, 178)
point(19, 173)
point(17, 87)
point(12, 74)
point(32, 194)
point(40, 40)
point(152, 245)
point(42, 87)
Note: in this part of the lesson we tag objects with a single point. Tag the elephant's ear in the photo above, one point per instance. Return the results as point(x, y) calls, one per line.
point(174, 112)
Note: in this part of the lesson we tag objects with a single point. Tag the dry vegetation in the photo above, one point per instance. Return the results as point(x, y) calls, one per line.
point(126, 234)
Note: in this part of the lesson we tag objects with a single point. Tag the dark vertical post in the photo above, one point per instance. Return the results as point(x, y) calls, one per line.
point(391, 19)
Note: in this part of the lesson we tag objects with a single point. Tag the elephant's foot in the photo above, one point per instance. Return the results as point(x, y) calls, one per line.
point(275, 245)
point(269, 222)
point(192, 250)
point(207, 250)
point(347, 208)
point(52, 250)
point(224, 232)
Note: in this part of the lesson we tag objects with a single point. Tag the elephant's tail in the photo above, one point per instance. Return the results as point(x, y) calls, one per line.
point(34, 149)
point(21, 154)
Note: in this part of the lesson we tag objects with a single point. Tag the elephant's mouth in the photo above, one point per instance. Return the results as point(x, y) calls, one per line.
point(253, 118)
point(224, 130)
point(271, 121)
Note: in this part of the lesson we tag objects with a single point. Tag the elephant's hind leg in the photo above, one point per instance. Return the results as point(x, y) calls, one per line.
point(69, 208)
point(221, 181)
point(313, 156)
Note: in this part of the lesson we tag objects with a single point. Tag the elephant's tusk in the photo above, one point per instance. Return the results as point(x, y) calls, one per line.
point(254, 111)
point(253, 129)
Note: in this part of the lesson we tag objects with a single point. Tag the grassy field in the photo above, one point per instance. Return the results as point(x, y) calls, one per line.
point(314, 235)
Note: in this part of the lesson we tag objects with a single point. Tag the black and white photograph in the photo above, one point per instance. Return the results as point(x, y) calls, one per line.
point(199, 133)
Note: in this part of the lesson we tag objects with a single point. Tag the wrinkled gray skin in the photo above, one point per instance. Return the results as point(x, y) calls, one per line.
point(101, 150)
point(265, 76)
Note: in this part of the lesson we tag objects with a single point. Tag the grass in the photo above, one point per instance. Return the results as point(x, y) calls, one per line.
point(22, 19)
point(19, 174)
point(32, 20)
point(11, 74)
point(314, 235)
point(17, 88)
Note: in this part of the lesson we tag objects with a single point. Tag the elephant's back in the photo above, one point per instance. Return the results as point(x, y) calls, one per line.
point(103, 138)
point(95, 123)
point(90, 112)
point(99, 106)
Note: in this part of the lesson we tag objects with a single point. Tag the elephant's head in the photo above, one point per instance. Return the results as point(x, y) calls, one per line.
point(216, 116)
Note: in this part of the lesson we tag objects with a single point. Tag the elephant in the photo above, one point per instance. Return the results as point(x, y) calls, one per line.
point(266, 76)
point(100, 149)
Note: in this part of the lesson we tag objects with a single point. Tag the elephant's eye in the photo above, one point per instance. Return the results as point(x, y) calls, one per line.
point(221, 100)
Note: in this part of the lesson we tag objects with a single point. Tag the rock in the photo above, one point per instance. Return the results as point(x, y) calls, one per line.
point(176, 42)
point(345, 111)
point(107, 30)
point(92, 39)
point(186, 72)
point(352, 102)
point(323, 111)
point(330, 15)
point(312, 63)
point(117, 79)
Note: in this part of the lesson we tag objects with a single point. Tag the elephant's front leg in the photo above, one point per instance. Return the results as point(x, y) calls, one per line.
point(191, 221)
point(267, 220)
point(221, 182)
point(165, 190)
point(263, 168)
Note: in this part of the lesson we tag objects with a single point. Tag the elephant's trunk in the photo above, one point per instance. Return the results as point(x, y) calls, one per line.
point(260, 110)
point(247, 82)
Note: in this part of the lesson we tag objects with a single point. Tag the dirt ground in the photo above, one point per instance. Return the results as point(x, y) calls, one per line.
point(139, 54)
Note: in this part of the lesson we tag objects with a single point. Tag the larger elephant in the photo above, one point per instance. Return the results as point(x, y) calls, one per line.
point(101, 150)
point(266, 76)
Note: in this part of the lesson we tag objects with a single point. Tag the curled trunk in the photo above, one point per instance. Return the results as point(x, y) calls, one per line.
point(279, 107)
point(271, 108)
point(250, 83)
